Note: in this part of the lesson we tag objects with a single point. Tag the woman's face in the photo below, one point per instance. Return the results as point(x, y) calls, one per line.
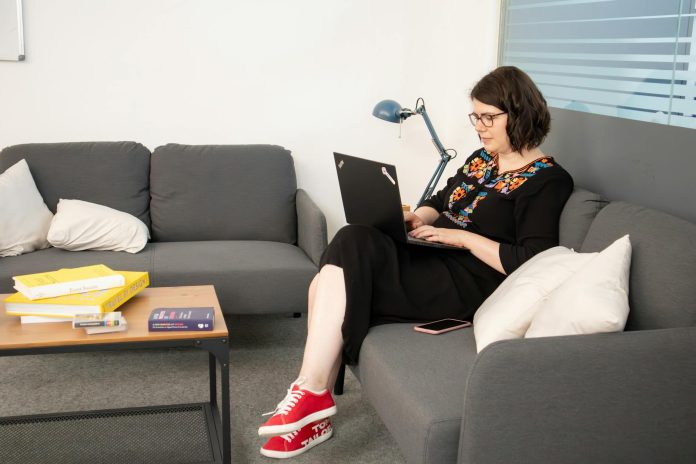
point(494, 138)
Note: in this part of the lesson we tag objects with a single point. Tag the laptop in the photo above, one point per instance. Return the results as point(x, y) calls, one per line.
point(370, 193)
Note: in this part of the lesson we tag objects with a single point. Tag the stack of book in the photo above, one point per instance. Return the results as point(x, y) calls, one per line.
point(60, 295)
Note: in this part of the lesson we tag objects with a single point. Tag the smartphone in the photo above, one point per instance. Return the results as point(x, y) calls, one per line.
point(441, 326)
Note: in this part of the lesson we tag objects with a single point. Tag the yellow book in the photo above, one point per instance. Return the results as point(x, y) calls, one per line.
point(67, 281)
point(99, 301)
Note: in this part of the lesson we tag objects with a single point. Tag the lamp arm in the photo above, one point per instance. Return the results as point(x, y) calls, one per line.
point(436, 140)
point(430, 188)
point(444, 157)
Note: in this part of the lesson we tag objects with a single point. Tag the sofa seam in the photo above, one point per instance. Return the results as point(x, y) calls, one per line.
point(430, 428)
point(598, 207)
point(487, 349)
point(152, 263)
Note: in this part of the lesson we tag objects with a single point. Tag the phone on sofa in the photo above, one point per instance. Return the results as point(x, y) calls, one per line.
point(441, 326)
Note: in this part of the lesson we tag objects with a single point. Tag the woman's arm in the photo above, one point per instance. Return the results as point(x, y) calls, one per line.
point(537, 213)
point(483, 248)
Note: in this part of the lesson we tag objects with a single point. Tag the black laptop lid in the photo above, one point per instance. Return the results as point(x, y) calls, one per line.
point(370, 193)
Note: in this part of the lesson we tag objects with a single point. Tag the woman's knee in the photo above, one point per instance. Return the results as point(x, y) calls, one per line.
point(312, 290)
point(354, 243)
point(358, 233)
point(313, 284)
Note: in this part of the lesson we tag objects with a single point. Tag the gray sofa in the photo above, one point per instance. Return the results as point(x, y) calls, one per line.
point(626, 397)
point(227, 215)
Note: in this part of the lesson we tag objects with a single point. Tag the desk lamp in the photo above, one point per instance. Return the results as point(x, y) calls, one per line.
point(391, 111)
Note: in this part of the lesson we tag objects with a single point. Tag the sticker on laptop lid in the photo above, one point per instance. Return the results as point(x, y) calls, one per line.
point(391, 179)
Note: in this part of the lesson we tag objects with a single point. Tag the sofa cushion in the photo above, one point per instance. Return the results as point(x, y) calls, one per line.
point(249, 276)
point(223, 192)
point(54, 258)
point(510, 309)
point(425, 376)
point(24, 217)
point(663, 263)
point(80, 225)
point(577, 216)
point(113, 174)
point(593, 300)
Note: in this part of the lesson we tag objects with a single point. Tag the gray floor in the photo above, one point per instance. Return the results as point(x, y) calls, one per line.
point(265, 355)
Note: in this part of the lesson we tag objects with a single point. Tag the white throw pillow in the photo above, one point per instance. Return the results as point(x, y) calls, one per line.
point(80, 225)
point(507, 313)
point(24, 217)
point(594, 300)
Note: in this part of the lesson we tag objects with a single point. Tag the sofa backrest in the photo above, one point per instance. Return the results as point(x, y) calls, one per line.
point(577, 216)
point(223, 192)
point(113, 174)
point(662, 290)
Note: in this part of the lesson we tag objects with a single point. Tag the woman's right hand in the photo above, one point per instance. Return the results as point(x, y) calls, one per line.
point(412, 220)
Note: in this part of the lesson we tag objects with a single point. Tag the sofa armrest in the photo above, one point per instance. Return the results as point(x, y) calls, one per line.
point(311, 226)
point(626, 397)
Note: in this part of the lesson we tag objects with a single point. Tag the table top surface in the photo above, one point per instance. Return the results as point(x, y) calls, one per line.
point(15, 335)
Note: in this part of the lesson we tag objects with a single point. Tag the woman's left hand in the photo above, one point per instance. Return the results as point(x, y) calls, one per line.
point(439, 234)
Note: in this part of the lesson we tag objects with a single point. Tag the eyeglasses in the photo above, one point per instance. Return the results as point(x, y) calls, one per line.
point(486, 118)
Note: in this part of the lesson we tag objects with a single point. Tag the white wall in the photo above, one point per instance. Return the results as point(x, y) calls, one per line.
point(304, 74)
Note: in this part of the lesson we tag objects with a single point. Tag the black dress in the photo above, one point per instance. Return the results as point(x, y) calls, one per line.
point(387, 281)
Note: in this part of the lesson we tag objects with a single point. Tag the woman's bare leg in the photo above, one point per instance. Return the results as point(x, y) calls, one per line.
point(327, 307)
point(334, 373)
point(310, 299)
point(310, 310)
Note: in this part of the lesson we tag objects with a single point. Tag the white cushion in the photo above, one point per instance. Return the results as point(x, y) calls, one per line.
point(24, 217)
point(507, 313)
point(594, 300)
point(80, 225)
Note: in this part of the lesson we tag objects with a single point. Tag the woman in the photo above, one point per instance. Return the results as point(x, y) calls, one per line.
point(501, 208)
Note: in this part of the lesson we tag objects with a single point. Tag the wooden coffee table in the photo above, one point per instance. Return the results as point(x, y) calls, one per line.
point(31, 339)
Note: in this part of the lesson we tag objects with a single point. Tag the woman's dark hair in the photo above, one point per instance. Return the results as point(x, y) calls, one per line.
point(512, 90)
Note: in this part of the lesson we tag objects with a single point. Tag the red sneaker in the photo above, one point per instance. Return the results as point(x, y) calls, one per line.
point(299, 441)
point(298, 408)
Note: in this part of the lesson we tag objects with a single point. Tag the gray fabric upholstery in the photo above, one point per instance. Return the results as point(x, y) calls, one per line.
point(113, 174)
point(223, 215)
point(577, 216)
point(663, 263)
point(311, 227)
point(249, 276)
point(223, 192)
point(54, 258)
point(415, 382)
point(608, 398)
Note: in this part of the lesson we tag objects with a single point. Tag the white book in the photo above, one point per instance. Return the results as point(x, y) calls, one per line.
point(67, 281)
point(40, 319)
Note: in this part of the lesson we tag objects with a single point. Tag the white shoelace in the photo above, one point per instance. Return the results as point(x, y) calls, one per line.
point(287, 403)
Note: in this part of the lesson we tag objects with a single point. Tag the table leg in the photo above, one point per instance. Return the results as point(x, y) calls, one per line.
point(225, 386)
point(219, 351)
point(212, 370)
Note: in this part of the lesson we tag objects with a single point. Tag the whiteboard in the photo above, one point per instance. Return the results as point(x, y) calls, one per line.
point(11, 31)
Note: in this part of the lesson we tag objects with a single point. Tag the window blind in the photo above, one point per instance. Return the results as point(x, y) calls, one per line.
point(628, 58)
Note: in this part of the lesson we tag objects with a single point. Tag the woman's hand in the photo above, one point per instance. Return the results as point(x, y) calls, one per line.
point(439, 234)
point(412, 220)
point(483, 248)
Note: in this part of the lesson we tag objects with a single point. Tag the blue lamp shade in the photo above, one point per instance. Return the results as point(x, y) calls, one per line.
point(389, 110)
